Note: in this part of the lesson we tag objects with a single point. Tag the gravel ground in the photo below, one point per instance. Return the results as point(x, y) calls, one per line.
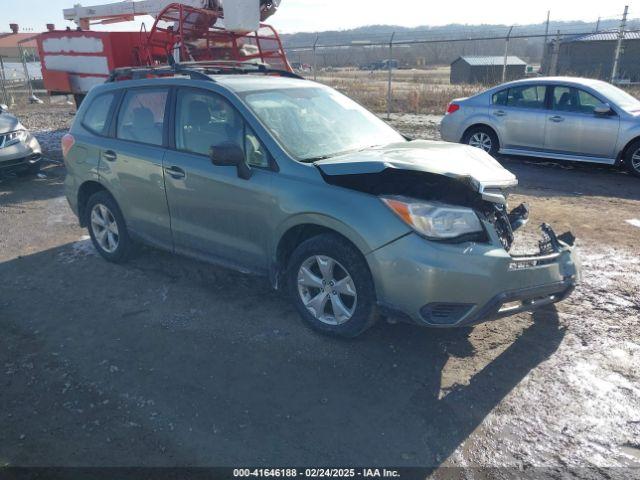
point(166, 361)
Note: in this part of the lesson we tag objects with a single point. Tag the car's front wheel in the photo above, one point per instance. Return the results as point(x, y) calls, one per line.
point(107, 228)
point(331, 286)
point(483, 138)
point(632, 158)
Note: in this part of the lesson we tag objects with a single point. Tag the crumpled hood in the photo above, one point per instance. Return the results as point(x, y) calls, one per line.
point(441, 158)
point(8, 123)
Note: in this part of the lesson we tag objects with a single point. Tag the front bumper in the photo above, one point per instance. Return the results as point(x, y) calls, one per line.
point(20, 156)
point(445, 285)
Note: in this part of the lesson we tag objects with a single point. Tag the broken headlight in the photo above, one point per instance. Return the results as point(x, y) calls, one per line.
point(434, 220)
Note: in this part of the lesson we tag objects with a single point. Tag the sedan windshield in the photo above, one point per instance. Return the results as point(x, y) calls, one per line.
point(315, 123)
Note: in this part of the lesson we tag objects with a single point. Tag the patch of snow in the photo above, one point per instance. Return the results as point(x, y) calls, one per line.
point(634, 221)
point(80, 249)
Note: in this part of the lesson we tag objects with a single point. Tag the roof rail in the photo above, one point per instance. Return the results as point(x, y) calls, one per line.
point(199, 70)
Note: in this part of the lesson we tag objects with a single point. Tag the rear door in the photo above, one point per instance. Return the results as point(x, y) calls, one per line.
point(519, 114)
point(573, 128)
point(214, 213)
point(132, 165)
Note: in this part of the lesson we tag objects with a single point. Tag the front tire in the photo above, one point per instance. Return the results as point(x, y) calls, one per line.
point(107, 228)
point(483, 138)
point(632, 158)
point(331, 286)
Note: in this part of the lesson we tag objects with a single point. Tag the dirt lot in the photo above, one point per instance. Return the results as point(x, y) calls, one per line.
point(167, 361)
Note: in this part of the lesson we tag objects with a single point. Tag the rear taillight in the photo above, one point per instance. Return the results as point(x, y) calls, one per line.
point(67, 142)
point(452, 108)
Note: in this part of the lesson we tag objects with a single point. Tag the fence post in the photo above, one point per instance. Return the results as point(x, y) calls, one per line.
point(390, 68)
point(315, 63)
point(27, 78)
point(616, 59)
point(3, 85)
point(506, 54)
point(553, 69)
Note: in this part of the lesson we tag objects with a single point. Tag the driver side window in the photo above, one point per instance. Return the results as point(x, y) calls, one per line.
point(204, 119)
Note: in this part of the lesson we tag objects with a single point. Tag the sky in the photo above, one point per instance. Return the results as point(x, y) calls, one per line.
point(319, 15)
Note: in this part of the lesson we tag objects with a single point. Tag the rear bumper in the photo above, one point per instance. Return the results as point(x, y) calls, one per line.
point(443, 285)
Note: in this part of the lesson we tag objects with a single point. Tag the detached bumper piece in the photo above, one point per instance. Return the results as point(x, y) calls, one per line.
point(552, 249)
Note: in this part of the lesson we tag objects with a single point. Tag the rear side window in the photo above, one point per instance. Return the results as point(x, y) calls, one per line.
point(141, 117)
point(500, 98)
point(97, 114)
point(531, 96)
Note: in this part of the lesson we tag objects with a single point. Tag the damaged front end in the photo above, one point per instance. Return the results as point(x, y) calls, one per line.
point(472, 275)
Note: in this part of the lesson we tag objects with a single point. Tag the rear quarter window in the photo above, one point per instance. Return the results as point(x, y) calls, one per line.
point(97, 115)
point(500, 98)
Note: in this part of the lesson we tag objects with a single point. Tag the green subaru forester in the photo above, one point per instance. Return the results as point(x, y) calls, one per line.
point(258, 171)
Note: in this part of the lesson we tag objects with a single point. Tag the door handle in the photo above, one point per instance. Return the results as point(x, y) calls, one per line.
point(500, 113)
point(175, 172)
point(557, 119)
point(110, 155)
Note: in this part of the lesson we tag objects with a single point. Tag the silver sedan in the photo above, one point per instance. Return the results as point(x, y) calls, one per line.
point(19, 150)
point(561, 118)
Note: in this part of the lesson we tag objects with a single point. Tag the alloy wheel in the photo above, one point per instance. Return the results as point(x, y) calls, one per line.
point(635, 160)
point(327, 290)
point(105, 228)
point(481, 140)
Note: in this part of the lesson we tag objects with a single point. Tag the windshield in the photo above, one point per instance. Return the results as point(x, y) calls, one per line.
point(315, 123)
point(619, 97)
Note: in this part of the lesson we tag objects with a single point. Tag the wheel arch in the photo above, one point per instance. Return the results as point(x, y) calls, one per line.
point(86, 190)
point(294, 234)
point(483, 125)
point(625, 149)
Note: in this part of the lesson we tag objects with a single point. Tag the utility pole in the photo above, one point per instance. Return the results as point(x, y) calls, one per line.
point(315, 63)
point(506, 54)
point(598, 25)
point(616, 60)
point(546, 29)
point(390, 68)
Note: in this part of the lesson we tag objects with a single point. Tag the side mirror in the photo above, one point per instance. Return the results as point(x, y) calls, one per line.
point(603, 109)
point(229, 154)
point(3, 107)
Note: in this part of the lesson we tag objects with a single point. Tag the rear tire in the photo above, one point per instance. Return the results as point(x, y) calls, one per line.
point(107, 228)
point(331, 286)
point(632, 158)
point(484, 138)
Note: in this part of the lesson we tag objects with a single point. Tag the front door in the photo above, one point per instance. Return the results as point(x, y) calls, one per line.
point(214, 213)
point(519, 115)
point(573, 128)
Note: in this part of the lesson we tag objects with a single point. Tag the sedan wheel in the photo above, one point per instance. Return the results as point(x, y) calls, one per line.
point(327, 290)
point(481, 140)
point(635, 160)
point(105, 228)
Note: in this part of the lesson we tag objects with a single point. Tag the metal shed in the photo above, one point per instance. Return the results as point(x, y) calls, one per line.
point(486, 70)
point(592, 56)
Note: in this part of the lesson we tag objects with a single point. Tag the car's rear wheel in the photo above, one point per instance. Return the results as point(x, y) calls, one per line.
point(331, 286)
point(107, 228)
point(632, 158)
point(483, 138)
